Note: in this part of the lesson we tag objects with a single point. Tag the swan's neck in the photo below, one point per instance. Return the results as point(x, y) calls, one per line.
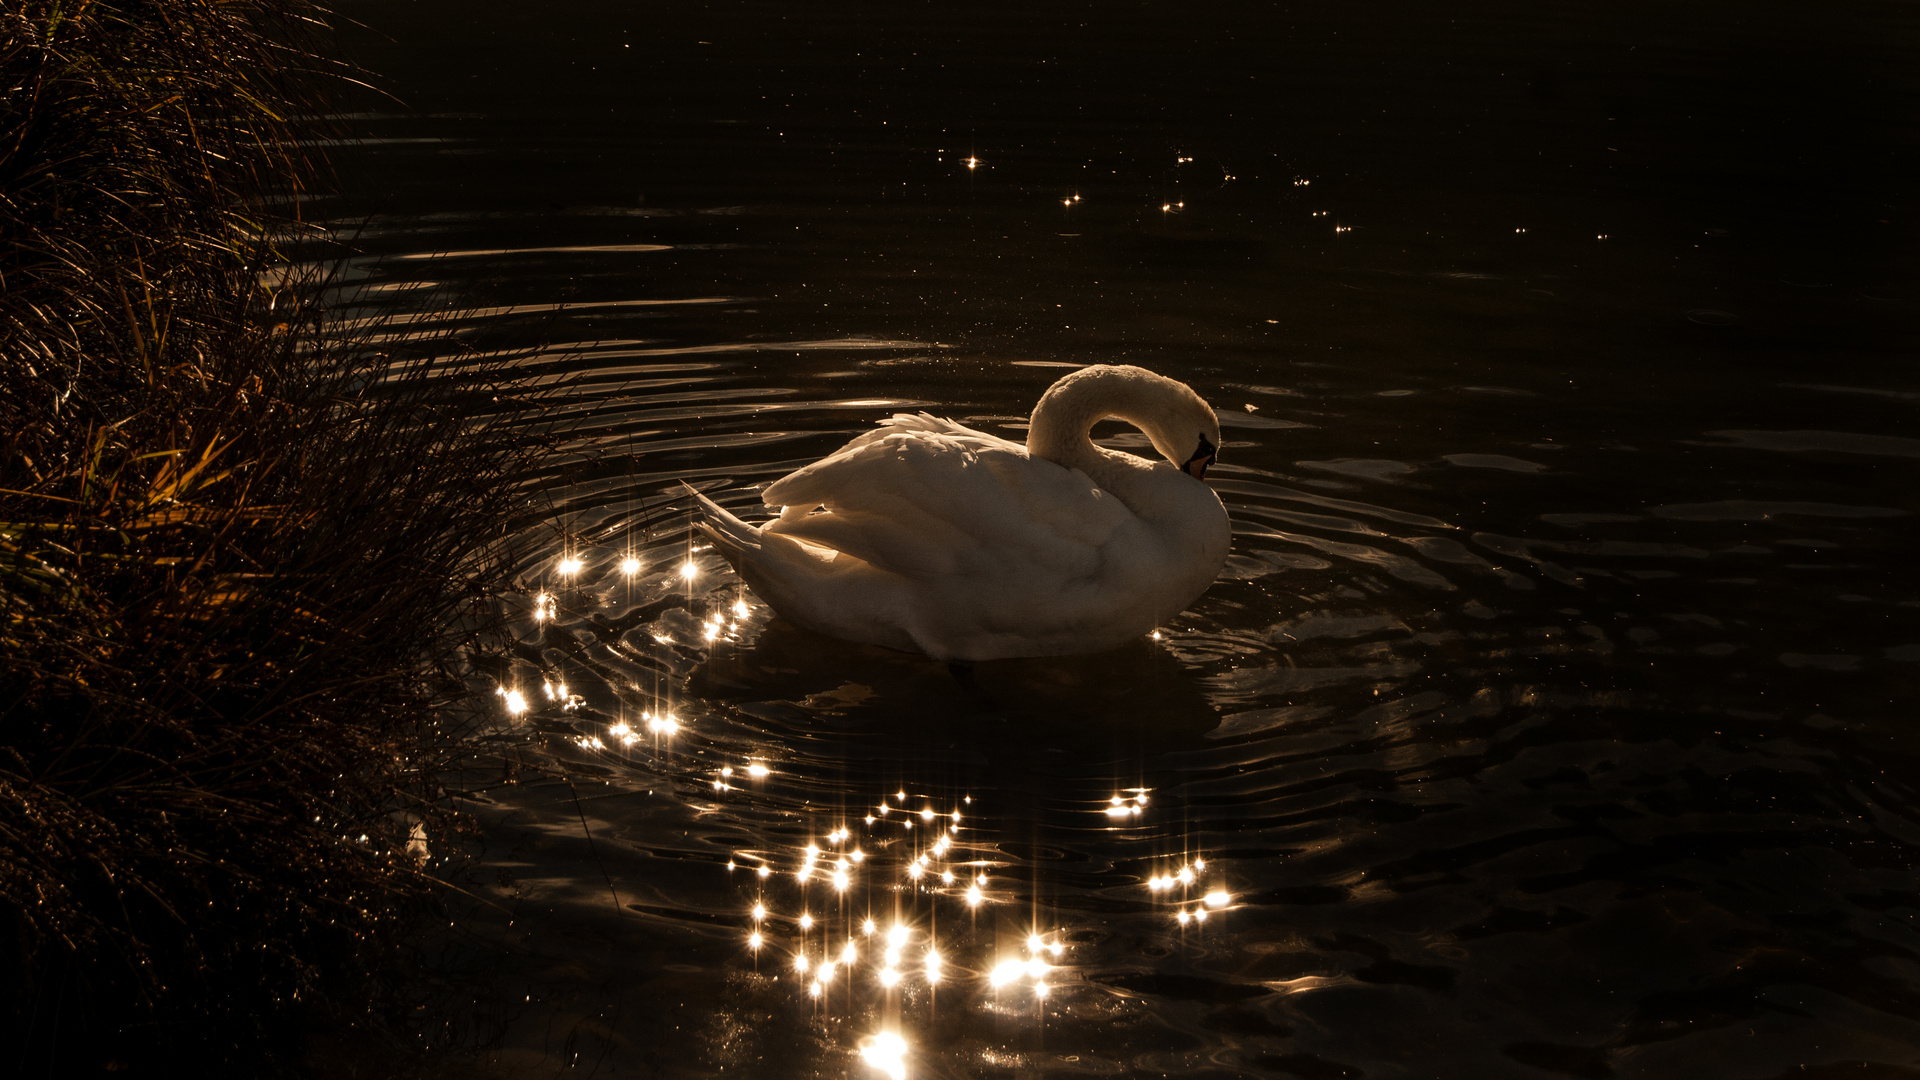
point(1062, 424)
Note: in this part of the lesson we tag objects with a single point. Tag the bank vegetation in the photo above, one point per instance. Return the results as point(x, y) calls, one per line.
point(235, 547)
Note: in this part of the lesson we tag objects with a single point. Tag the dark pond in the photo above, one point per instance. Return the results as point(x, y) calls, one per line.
point(1555, 715)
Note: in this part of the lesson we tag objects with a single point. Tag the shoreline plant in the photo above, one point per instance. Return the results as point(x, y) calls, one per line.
point(236, 549)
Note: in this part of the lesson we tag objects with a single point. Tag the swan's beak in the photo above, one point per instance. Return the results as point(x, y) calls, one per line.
point(1196, 465)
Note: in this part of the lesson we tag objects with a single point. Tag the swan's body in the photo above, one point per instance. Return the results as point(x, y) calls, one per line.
point(926, 535)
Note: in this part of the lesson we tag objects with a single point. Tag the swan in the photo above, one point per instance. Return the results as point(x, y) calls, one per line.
point(925, 535)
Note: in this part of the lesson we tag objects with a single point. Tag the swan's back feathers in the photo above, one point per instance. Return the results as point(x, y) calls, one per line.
point(803, 487)
point(924, 496)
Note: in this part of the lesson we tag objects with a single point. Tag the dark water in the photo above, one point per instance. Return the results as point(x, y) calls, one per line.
point(1555, 714)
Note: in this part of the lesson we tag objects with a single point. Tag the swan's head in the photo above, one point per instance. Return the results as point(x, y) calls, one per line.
point(1181, 425)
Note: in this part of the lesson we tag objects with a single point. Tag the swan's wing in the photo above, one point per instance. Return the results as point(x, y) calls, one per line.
point(857, 464)
point(924, 497)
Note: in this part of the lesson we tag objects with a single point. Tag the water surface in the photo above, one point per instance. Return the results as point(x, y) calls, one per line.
point(1554, 713)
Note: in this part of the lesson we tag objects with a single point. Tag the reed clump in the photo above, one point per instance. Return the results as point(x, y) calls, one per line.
point(233, 547)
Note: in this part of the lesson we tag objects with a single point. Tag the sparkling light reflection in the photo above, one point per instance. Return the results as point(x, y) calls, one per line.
point(1119, 806)
point(886, 1052)
point(888, 955)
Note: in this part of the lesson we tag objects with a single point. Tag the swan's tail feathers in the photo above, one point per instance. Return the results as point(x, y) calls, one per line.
point(732, 537)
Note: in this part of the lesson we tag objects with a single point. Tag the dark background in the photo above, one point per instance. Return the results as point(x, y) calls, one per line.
point(1750, 166)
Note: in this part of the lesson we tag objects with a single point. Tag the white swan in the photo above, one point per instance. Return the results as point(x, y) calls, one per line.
point(926, 535)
